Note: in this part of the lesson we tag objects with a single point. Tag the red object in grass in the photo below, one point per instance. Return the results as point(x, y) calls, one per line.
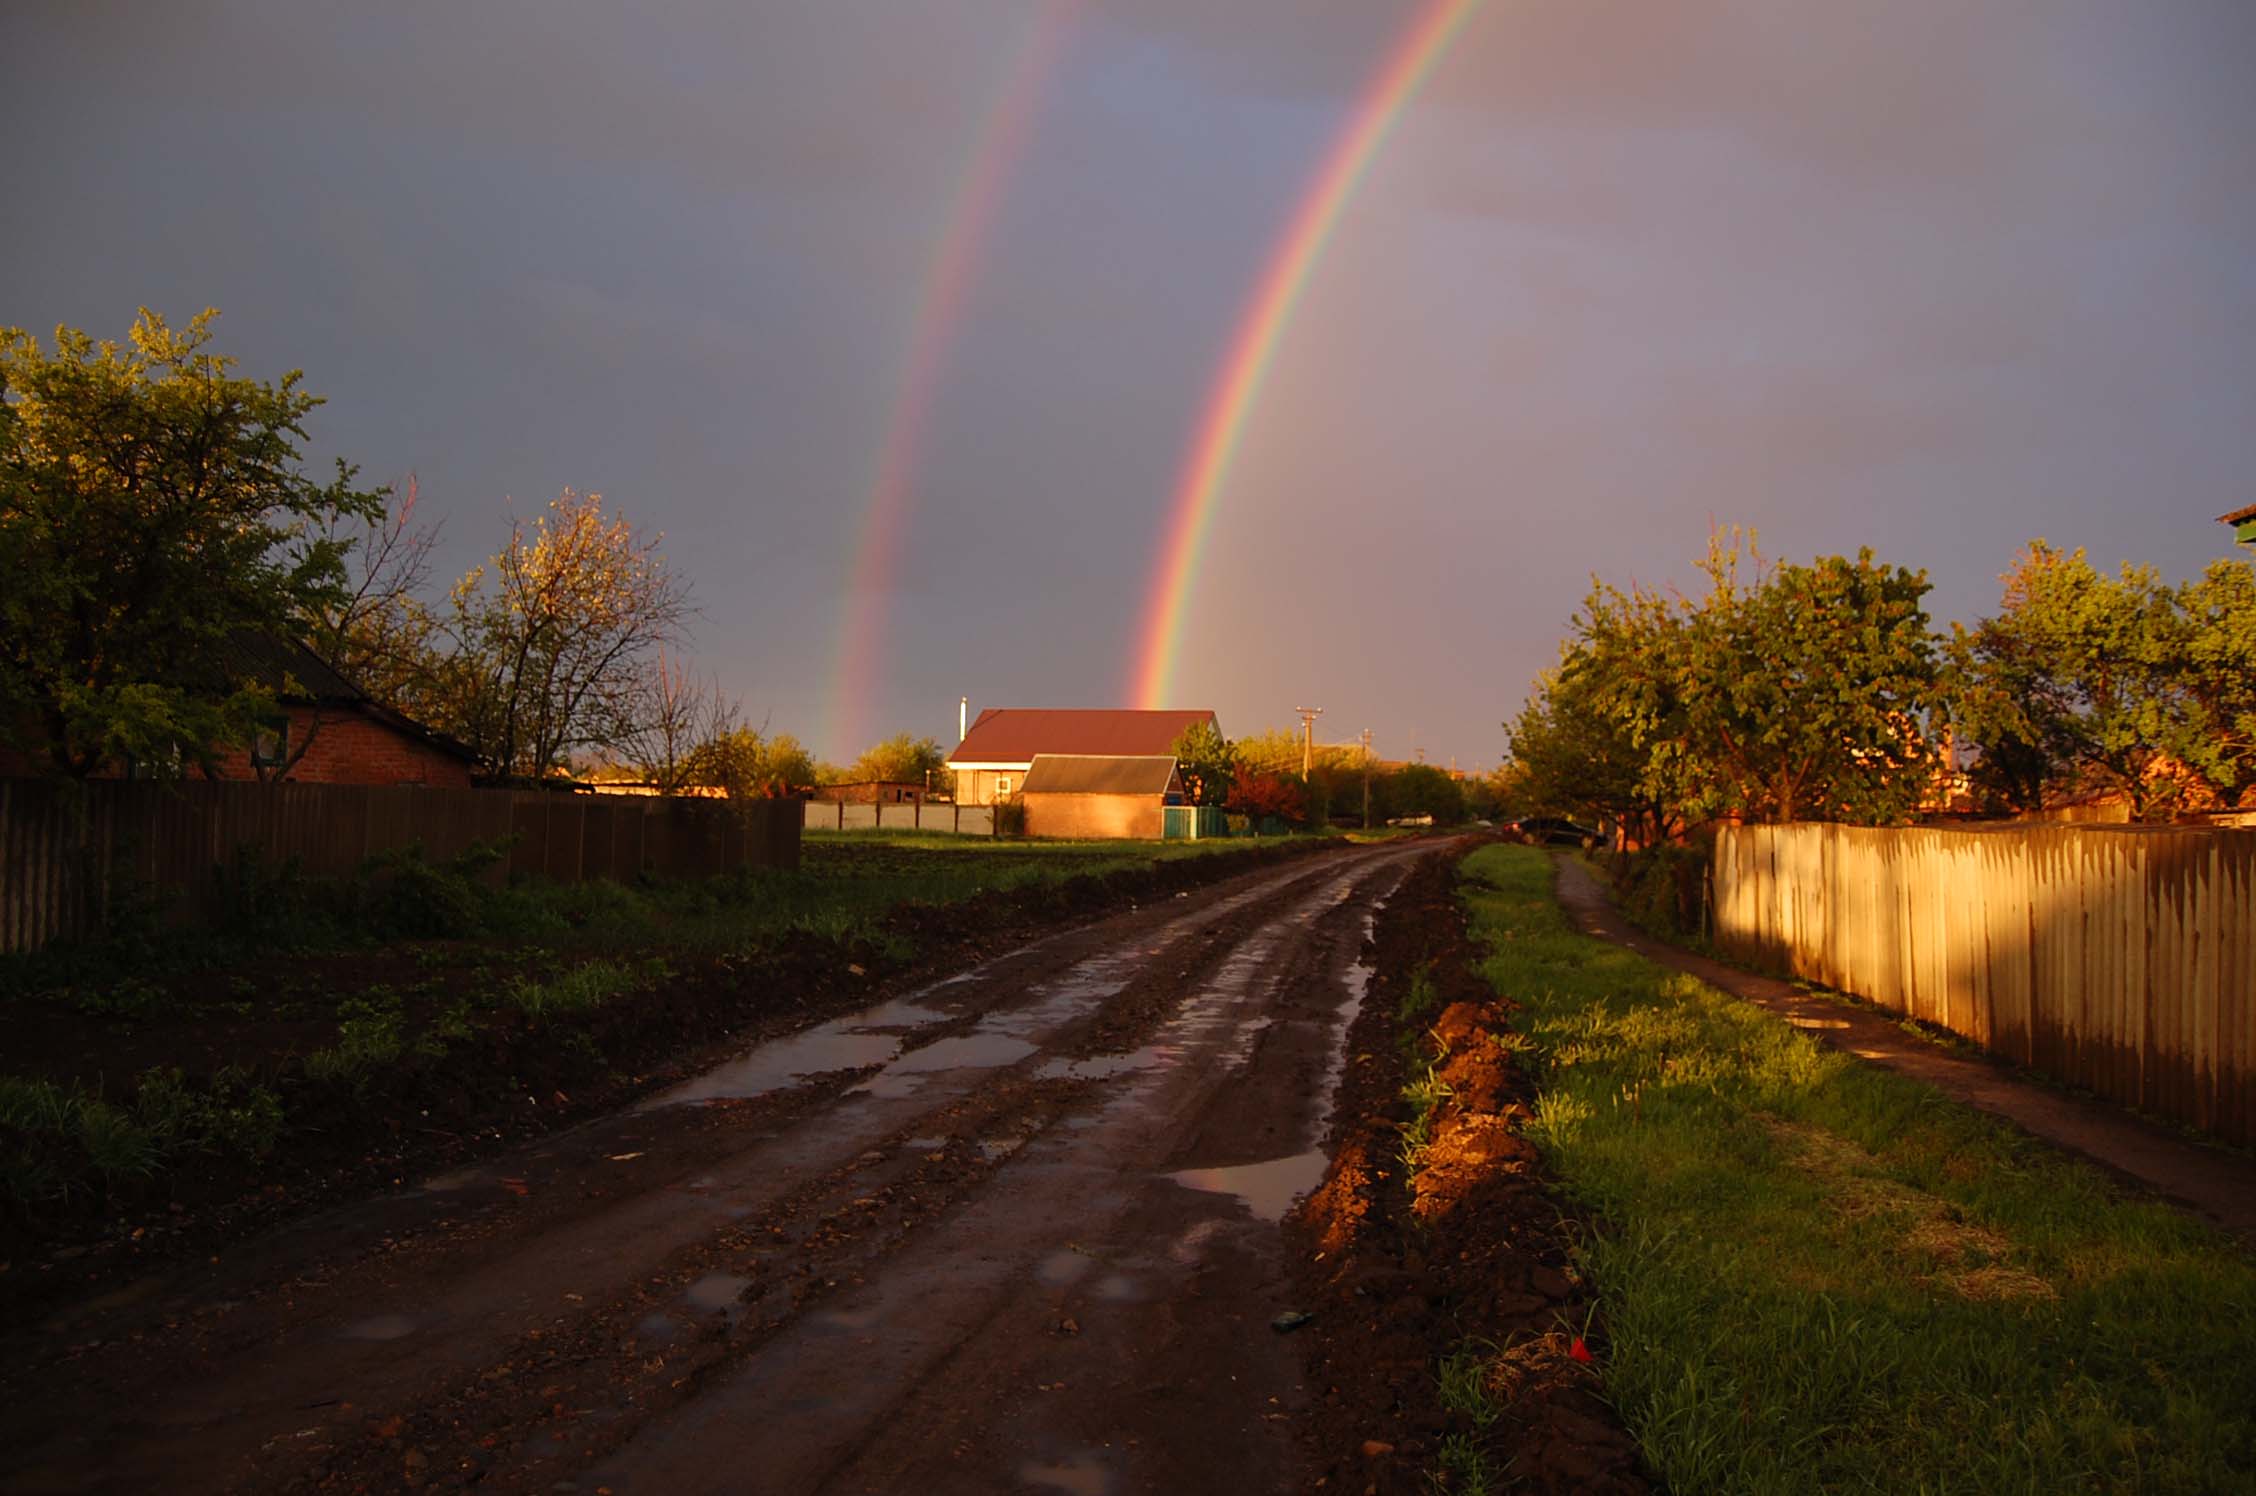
point(1580, 1351)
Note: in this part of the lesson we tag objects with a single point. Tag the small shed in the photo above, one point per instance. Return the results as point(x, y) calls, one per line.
point(1106, 796)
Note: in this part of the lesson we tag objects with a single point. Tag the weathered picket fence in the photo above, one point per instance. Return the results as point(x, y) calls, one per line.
point(2117, 958)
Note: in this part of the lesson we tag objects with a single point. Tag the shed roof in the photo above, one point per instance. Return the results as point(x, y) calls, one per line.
point(2238, 516)
point(1016, 735)
point(1099, 774)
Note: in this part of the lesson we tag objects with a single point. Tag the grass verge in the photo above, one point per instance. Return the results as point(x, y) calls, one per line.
point(1821, 1276)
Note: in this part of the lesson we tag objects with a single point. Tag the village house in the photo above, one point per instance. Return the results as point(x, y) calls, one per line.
point(992, 761)
point(328, 731)
point(1100, 796)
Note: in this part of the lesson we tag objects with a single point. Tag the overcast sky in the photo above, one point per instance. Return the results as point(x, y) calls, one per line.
point(1935, 277)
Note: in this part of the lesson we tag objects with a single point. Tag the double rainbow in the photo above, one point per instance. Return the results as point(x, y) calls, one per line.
point(1253, 347)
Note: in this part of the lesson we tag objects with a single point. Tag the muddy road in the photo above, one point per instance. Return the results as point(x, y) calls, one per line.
point(1015, 1230)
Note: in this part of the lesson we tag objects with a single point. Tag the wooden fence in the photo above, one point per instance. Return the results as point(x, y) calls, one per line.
point(63, 852)
point(2121, 959)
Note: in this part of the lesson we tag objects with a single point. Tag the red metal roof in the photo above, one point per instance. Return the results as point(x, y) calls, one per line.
point(2238, 516)
point(1014, 735)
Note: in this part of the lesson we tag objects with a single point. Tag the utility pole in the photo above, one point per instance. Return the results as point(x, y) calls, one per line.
point(1308, 716)
point(1366, 779)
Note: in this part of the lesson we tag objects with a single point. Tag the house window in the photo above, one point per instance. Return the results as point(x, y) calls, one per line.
point(1002, 786)
point(270, 745)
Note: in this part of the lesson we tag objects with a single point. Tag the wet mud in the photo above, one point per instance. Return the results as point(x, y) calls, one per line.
point(1400, 1267)
point(942, 1240)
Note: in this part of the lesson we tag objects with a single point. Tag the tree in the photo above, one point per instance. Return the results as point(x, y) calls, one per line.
point(1206, 762)
point(1808, 693)
point(900, 759)
point(1263, 794)
point(1783, 693)
point(750, 766)
point(1423, 790)
point(2076, 683)
point(554, 637)
point(152, 508)
point(377, 631)
point(674, 719)
point(2214, 735)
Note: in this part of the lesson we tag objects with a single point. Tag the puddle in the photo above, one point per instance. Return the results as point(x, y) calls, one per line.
point(974, 1051)
point(1268, 1189)
point(458, 1179)
point(897, 1014)
point(1080, 1476)
point(1105, 1066)
point(994, 1148)
point(657, 1326)
point(849, 1319)
point(1119, 1288)
point(926, 1145)
point(854, 1042)
point(717, 1291)
point(381, 1327)
point(1061, 1268)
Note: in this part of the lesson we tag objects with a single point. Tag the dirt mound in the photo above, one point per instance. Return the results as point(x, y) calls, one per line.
point(1452, 1338)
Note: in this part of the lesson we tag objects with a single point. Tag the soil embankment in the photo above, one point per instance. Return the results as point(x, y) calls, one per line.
point(1434, 1245)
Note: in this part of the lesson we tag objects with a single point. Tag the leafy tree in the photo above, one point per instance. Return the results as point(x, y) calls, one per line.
point(751, 766)
point(1262, 793)
point(1783, 693)
point(1807, 693)
point(554, 638)
point(1207, 763)
point(152, 508)
point(1574, 755)
point(900, 759)
point(2076, 682)
point(1423, 790)
point(2214, 734)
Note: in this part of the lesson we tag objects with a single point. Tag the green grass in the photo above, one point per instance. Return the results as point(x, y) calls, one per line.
point(1820, 1276)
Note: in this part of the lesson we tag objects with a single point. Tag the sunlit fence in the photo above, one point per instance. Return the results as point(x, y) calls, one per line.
point(67, 854)
point(965, 820)
point(2122, 959)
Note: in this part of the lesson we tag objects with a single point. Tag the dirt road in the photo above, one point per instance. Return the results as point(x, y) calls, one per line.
point(1011, 1231)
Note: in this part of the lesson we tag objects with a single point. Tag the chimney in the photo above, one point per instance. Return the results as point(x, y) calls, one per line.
point(963, 718)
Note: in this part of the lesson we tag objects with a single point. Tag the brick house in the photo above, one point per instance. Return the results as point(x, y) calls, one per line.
point(333, 732)
point(330, 731)
point(991, 763)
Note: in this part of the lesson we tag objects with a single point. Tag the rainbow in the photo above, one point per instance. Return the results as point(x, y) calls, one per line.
point(1253, 347)
point(941, 300)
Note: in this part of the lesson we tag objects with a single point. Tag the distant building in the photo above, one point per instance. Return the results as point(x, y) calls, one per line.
point(1100, 795)
point(870, 792)
point(992, 761)
point(2243, 522)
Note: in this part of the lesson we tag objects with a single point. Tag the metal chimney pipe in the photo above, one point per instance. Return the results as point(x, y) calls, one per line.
point(963, 718)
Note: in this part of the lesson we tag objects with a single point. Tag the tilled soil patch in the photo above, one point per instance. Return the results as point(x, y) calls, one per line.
point(518, 1078)
point(1467, 1255)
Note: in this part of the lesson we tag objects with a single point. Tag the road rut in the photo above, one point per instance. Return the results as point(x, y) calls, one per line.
point(1013, 1230)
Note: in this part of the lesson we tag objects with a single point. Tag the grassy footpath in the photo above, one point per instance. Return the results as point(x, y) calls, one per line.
point(1817, 1275)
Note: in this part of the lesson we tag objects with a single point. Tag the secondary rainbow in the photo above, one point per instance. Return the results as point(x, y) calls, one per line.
point(945, 292)
point(1253, 346)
